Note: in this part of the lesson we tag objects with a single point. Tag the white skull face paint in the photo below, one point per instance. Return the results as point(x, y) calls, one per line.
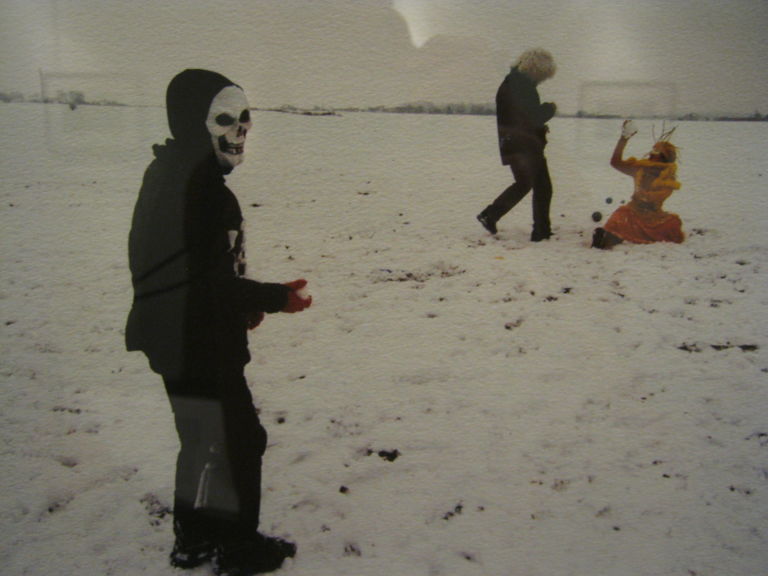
point(228, 121)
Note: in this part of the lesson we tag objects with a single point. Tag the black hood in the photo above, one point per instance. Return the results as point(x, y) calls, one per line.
point(187, 100)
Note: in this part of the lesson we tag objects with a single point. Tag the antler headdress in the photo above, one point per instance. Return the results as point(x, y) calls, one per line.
point(663, 145)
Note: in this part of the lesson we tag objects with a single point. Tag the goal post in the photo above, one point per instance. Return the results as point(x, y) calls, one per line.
point(93, 87)
point(628, 98)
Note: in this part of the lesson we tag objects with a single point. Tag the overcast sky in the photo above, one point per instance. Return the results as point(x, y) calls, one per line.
point(671, 56)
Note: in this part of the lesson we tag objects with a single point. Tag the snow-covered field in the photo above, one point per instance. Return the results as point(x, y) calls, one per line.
point(452, 404)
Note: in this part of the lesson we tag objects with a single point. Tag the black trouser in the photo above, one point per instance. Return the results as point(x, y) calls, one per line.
point(218, 469)
point(530, 172)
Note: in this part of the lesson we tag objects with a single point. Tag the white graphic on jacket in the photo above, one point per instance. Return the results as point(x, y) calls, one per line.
point(237, 250)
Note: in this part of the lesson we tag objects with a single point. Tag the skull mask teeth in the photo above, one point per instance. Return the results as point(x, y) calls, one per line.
point(228, 122)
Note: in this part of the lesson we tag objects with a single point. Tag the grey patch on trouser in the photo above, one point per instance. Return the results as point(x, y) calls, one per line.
point(215, 489)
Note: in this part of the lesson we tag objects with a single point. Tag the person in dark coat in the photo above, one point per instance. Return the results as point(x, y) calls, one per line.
point(521, 121)
point(192, 309)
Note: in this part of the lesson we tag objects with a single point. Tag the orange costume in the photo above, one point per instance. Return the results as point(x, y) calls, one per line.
point(642, 220)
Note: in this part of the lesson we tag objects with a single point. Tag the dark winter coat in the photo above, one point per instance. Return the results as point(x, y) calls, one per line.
point(186, 252)
point(520, 116)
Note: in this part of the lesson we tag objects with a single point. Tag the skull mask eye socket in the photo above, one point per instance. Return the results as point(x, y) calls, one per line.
point(224, 120)
point(228, 122)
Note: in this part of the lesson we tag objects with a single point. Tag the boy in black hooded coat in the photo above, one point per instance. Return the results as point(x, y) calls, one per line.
point(191, 312)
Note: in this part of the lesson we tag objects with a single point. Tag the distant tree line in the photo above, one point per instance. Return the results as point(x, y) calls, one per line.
point(691, 117)
point(73, 98)
point(432, 108)
point(756, 117)
point(288, 109)
point(12, 97)
point(490, 110)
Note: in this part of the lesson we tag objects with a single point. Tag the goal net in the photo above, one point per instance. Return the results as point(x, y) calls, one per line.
point(628, 98)
point(93, 87)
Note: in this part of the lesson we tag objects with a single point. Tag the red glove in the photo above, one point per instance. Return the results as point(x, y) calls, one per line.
point(298, 299)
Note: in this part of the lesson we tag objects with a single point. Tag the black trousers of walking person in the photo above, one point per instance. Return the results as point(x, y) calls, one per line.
point(218, 469)
point(530, 172)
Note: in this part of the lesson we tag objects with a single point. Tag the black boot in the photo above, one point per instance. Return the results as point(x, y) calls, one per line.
point(598, 238)
point(540, 234)
point(604, 240)
point(191, 548)
point(487, 221)
point(246, 557)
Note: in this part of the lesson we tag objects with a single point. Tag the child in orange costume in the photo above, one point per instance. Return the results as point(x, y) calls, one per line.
point(642, 220)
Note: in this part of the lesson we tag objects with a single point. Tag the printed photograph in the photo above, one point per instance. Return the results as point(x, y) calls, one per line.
point(384, 287)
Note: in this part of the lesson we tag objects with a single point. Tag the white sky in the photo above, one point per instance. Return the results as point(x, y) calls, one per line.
point(683, 55)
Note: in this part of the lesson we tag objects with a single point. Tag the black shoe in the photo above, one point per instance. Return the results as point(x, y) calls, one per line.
point(605, 240)
point(538, 235)
point(487, 223)
point(254, 556)
point(598, 238)
point(190, 554)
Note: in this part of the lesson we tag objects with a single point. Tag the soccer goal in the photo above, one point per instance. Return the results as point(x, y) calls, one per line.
point(628, 98)
point(75, 88)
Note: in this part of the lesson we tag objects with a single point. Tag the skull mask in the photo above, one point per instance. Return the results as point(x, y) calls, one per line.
point(228, 122)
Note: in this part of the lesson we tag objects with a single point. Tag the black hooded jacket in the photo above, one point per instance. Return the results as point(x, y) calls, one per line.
point(191, 300)
point(520, 116)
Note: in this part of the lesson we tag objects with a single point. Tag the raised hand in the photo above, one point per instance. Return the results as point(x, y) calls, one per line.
point(628, 129)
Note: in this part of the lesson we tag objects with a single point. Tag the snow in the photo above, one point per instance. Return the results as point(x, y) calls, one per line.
point(452, 403)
